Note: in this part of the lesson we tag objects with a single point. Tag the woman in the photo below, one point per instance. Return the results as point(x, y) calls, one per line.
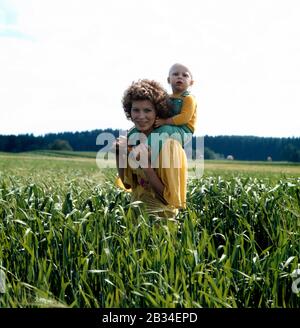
point(161, 188)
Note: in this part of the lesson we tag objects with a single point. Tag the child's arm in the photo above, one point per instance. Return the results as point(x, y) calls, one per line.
point(187, 111)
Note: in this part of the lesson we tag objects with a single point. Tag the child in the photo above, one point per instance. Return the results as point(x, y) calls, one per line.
point(184, 105)
point(181, 118)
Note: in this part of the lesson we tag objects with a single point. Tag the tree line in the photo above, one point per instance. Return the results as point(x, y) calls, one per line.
point(250, 148)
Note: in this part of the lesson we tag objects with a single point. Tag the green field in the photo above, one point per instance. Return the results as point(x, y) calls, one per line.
point(70, 238)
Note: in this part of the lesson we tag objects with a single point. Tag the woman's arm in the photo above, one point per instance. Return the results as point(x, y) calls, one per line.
point(121, 153)
point(170, 181)
point(142, 153)
point(120, 170)
point(173, 173)
point(154, 181)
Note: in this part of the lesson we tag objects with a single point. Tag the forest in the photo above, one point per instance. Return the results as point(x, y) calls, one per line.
point(250, 148)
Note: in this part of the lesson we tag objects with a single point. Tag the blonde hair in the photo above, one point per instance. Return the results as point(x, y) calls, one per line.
point(185, 67)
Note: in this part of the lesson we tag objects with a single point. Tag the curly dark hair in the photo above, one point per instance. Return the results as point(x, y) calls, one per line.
point(147, 90)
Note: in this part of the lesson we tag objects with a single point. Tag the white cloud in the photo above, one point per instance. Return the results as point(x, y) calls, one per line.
point(81, 56)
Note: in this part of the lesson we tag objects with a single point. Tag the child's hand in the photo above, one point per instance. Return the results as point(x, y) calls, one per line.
point(159, 122)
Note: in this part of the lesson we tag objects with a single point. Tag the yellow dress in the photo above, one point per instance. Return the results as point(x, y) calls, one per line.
point(172, 171)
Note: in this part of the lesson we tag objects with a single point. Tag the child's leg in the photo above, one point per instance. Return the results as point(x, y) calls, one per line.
point(158, 136)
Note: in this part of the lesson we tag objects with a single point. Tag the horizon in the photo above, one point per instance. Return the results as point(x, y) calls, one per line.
point(116, 129)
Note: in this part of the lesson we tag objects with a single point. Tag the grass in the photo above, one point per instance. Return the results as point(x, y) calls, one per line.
point(70, 238)
point(257, 168)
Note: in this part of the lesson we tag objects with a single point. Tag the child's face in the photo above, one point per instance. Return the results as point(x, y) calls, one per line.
point(143, 115)
point(180, 78)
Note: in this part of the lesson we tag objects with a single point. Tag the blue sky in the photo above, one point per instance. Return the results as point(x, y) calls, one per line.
point(64, 65)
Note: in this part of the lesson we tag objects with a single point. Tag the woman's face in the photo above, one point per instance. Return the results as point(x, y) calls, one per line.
point(143, 115)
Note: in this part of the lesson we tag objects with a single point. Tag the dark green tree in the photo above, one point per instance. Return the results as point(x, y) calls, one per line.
point(60, 144)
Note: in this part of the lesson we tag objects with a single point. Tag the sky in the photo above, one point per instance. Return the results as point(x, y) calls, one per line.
point(64, 65)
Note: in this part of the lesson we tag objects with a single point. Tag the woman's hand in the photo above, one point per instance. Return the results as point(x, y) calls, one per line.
point(141, 155)
point(120, 145)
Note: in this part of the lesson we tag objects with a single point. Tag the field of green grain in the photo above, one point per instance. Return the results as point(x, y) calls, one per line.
point(70, 238)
